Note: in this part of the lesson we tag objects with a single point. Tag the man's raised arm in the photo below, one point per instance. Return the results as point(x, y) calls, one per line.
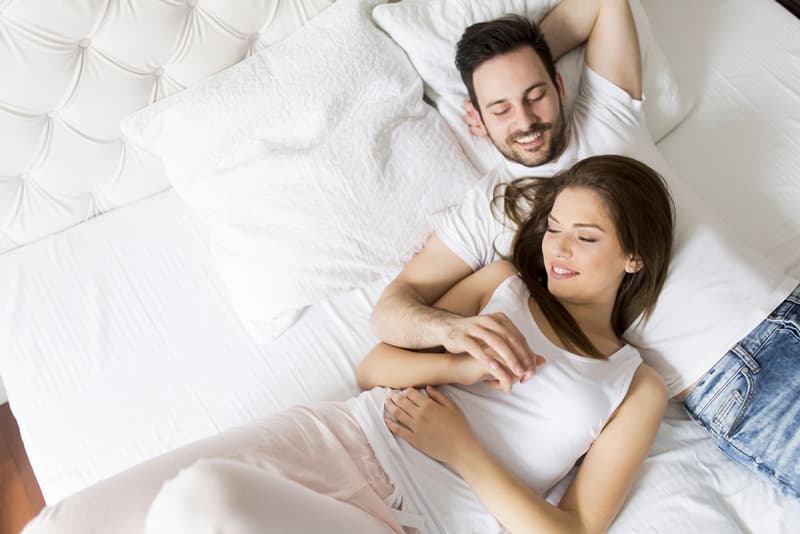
point(608, 29)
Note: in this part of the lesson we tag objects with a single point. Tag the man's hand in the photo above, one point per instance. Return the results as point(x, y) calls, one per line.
point(495, 341)
point(473, 120)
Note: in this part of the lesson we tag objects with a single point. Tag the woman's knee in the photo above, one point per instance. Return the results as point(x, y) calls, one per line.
point(204, 493)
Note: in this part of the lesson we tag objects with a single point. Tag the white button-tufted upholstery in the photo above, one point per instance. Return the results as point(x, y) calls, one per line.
point(71, 69)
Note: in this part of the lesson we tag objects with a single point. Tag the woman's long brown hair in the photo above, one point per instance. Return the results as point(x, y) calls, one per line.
point(638, 202)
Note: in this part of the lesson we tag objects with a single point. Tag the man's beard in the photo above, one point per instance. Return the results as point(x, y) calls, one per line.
point(558, 141)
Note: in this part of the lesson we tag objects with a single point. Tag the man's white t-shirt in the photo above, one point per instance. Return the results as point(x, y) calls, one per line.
point(717, 289)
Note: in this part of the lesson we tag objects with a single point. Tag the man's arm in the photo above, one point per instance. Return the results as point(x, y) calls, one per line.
point(608, 29)
point(387, 365)
point(404, 315)
point(612, 45)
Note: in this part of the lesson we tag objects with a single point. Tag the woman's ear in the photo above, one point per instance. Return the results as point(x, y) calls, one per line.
point(634, 265)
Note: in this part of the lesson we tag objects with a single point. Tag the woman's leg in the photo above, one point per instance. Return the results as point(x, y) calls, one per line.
point(750, 400)
point(230, 497)
point(119, 505)
point(320, 447)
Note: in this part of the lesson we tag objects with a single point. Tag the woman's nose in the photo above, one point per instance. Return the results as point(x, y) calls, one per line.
point(562, 247)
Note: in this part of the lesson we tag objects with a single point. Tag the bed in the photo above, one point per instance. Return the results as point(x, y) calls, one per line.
point(119, 341)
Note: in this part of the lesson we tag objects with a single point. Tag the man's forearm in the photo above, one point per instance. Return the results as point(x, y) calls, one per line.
point(402, 318)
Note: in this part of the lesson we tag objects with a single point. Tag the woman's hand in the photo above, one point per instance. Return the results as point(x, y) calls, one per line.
point(432, 424)
point(468, 371)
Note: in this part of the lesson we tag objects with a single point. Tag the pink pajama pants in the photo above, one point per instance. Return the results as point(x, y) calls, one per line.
point(305, 470)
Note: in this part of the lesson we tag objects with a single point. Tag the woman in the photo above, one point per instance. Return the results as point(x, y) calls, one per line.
point(599, 241)
point(591, 259)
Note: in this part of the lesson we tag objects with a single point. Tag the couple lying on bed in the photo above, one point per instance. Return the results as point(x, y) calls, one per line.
point(590, 247)
point(590, 256)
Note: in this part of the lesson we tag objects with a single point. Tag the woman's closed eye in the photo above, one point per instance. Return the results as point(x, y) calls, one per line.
point(585, 239)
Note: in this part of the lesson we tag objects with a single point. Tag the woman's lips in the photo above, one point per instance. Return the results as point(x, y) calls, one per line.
point(561, 272)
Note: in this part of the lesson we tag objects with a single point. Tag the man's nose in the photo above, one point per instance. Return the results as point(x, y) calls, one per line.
point(524, 118)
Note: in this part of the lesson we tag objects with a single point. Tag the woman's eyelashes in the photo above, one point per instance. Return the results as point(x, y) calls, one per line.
point(585, 239)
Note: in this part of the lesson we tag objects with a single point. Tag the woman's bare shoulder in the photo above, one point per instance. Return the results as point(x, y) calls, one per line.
point(491, 276)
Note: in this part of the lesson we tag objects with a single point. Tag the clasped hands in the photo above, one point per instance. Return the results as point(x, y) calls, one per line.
point(490, 348)
point(484, 348)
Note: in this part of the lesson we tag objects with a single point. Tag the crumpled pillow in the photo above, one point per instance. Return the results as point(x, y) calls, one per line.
point(313, 164)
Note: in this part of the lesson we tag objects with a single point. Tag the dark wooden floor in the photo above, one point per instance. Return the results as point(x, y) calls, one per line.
point(20, 497)
point(791, 5)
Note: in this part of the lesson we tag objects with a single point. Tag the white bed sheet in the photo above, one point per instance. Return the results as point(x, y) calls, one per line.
point(118, 343)
point(138, 352)
point(740, 147)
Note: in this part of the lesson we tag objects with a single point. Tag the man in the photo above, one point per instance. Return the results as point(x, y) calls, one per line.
point(724, 334)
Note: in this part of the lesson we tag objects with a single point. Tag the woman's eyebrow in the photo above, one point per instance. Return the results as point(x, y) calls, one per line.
point(579, 225)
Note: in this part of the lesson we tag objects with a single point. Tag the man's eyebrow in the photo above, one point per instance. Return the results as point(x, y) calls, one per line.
point(580, 225)
point(525, 92)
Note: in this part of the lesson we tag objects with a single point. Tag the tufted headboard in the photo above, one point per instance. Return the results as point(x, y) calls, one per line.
point(70, 70)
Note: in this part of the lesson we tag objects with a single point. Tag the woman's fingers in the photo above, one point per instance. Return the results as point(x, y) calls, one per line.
point(415, 396)
point(398, 429)
point(398, 412)
point(439, 397)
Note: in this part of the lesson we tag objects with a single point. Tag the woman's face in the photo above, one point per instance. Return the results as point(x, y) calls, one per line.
point(582, 253)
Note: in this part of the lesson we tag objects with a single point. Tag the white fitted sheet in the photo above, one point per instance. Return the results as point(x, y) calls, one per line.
point(740, 147)
point(121, 345)
point(118, 344)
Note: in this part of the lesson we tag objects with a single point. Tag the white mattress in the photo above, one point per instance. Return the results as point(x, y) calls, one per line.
point(121, 345)
point(118, 343)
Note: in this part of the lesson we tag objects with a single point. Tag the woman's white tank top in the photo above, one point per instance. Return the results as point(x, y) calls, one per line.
point(538, 431)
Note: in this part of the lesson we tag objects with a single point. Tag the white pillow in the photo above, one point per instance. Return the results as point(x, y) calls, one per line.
point(313, 164)
point(428, 30)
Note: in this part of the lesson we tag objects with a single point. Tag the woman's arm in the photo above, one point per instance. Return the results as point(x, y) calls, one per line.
point(604, 478)
point(391, 366)
point(434, 425)
point(397, 368)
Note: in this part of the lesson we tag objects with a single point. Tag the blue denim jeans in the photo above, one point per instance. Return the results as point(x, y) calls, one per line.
point(750, 400)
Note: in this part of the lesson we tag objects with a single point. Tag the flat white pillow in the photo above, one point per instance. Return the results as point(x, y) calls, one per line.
point(428, 30)
point(313, 164)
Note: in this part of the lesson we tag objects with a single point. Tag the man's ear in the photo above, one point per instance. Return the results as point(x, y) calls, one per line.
point(560, 87)
point(634, 264)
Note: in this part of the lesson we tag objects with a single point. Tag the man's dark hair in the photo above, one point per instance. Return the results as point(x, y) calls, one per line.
point(485, 40)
